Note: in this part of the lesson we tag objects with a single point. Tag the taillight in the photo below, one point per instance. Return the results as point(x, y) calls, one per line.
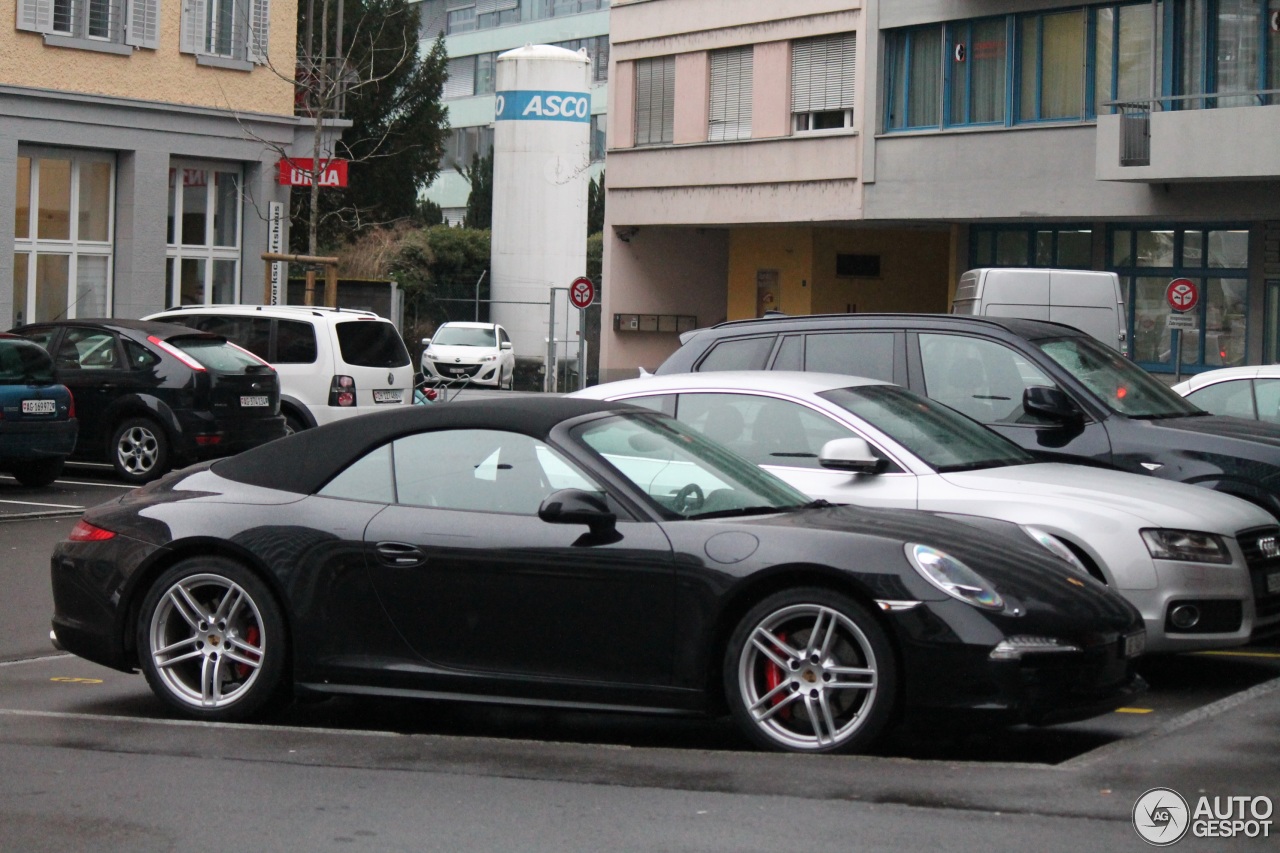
point(71, 406)
point(86, 532)
point(342, 391)
point(177, 353)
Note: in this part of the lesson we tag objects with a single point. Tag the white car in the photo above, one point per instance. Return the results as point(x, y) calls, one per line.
point(479, 353)
point(1188, 558)
point(1251, 392)
point(333, 363)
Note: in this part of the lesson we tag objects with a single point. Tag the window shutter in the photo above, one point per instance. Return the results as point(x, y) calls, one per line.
point(655, 100)
point(731, 89)
point(485, 7)
point(460, 4)
point(191, 38)
point(644, 100)
point(822, 73)
point(258, 42)
point(142, 27)
point(35, 15)
point(461, 82)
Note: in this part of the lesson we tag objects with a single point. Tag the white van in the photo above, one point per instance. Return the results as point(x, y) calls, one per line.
point(1088, 300)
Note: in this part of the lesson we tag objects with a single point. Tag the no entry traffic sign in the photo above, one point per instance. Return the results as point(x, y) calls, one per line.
point(582, 292)
point(1182, 294)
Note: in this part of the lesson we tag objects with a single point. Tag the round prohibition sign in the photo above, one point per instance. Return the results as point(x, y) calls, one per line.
point(582, 292)
point(1182, 294)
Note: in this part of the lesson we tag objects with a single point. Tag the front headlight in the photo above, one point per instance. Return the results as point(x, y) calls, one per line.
point(1187, 545)
point(953, 577)
point(431, 354)
point(485, 358)
point(1013, 648)
point(1057, 546)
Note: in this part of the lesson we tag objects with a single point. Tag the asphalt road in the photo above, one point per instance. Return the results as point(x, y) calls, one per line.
point(90, 760)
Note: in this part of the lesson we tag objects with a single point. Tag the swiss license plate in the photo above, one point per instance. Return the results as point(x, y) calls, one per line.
point(457, 371)
point(1273, 583)
point(38, 407)
point(388, 396)
point(250, 402)
point(1135, 644)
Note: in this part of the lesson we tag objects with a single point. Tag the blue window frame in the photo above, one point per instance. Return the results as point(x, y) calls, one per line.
point(977, 72)
point(1036, 245)
point(1215, 258)
point(914, 78)
point(1224, 47)
point(1051, 66)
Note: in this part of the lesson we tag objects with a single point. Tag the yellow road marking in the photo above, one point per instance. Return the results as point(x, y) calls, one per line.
point(1134, 710)
point(67, 679)
point(1241, 654)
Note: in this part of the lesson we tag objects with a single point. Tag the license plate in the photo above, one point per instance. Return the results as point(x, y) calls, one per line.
point(250, 402)
point(457, 371)
point(388, 396)
point(1273, 583)
point(39, 407)
point(1135, 644)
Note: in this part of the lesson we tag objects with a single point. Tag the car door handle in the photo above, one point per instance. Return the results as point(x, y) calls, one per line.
point(400, 554)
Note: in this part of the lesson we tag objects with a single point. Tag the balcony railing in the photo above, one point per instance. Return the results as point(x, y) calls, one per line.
point(1135, 116)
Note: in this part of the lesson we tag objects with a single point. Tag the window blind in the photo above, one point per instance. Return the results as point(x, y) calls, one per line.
point(731, 88)
point(655, 100)
point(822, 73)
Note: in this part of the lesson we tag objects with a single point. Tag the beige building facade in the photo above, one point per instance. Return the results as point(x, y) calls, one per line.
point(139, 143)
point(858, 155)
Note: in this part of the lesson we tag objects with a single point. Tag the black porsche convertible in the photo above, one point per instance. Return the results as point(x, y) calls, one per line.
point(576, 554)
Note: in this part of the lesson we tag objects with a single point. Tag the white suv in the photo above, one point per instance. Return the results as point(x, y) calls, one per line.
point(333, 363)
point(480, 353)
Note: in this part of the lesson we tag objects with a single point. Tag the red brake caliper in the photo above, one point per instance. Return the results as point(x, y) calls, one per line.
point(772, 678)
point(252, 637)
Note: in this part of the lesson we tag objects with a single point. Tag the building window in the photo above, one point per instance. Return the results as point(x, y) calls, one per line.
point(822, 82)
point(1051, 66)
point(63, 235)
point(1227, 47)
point(1059, 246)
point(655, 100)
point(468, 76)
point(857, 266)
point(597, 48)
point(94, 24)
point(1123, 53)
point(233, 31)
point(1216, 259)
point(464, 144)
point(914, 78)
point(730, 97)
point(203, 235)
point(598, 140)
point(977, 69)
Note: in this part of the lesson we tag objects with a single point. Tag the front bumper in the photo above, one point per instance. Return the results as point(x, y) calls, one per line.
point(1224, 594)
point(484, 373)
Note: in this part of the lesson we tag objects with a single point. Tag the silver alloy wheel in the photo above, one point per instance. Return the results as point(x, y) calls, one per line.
point(207, 641)
point(138, 450)
point(808, 677)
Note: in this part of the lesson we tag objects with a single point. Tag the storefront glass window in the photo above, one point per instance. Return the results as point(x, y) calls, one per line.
point(52, 276)
point(54, 222)
point(204, 268)
point(22, 223)
point(1155, 248)
point(95, 201)
point(1229, 249)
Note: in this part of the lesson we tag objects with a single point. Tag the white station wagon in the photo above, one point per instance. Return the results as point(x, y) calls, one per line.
point(1193, 561)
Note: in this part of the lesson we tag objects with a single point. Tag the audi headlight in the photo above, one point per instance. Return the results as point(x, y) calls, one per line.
point(1187, 545)
point(1057, 546)
point(953, 577)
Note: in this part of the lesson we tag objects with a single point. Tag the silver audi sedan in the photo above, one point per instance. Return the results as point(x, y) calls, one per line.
point(1194, 561)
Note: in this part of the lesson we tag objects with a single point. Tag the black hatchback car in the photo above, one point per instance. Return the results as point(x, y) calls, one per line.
point(1050, 388)
point(152, 396)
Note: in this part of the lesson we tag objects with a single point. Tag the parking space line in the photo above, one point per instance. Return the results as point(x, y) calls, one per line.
point(1240, 654)
point(1134, 710)
point(37, 503)
point(198, 724)
point(82, 483)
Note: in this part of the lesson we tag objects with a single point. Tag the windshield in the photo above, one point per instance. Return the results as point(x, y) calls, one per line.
point(463, 336)
point(942, 438)
point(1119, 383)
point(684, 474)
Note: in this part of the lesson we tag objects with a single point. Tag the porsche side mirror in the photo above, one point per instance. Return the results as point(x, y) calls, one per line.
point(577, 506)
point(1051, 403)
point(851, 454)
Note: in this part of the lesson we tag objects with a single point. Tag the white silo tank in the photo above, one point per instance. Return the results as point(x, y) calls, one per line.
point(541, 156)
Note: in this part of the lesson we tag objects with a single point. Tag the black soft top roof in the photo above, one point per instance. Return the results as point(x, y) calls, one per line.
point(305, 461)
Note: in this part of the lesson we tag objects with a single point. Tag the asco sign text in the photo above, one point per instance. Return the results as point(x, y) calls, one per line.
point(532, 105)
